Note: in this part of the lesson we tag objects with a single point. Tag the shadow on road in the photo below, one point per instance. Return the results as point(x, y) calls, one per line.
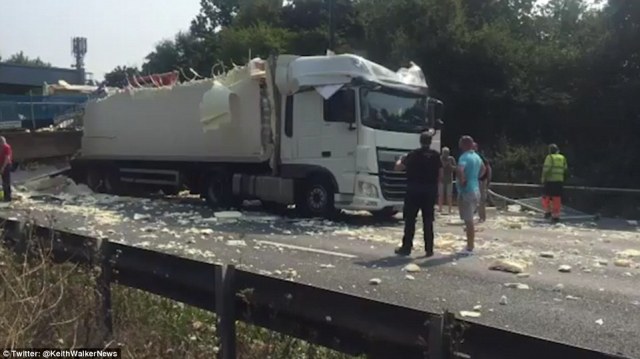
point(399, 261)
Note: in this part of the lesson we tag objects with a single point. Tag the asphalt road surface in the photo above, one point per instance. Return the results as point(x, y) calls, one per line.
point(595, 305)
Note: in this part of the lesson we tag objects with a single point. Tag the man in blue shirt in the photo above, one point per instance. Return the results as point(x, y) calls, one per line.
point(470, 169)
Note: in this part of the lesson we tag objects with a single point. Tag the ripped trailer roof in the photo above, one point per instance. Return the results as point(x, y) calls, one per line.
point(312, 71)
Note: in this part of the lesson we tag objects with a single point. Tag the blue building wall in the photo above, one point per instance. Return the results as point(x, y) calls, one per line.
point(18, 109)
point(33, 76)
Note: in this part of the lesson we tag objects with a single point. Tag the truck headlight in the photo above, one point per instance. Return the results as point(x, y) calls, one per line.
point(367, 189)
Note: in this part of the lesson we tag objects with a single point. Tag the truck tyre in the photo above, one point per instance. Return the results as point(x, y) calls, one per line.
point(315, 199)
point(218, 192)
point(95, 180)
point(384, 214)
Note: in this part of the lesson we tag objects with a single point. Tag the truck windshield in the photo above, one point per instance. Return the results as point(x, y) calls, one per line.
point(393, 110)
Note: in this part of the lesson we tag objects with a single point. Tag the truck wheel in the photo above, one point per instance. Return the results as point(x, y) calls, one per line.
point(316, 199)
point(384, 214)
point(95, 180)
point(217, 193)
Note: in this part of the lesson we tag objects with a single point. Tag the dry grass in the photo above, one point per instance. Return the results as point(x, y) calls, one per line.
point(56, 305)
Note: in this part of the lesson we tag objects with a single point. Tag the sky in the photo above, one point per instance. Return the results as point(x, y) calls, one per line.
point(118, 32)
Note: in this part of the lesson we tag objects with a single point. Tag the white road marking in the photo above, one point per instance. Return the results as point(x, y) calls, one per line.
point(307, 249)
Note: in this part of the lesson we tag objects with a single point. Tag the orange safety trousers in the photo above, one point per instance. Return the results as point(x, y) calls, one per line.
point(552, 205)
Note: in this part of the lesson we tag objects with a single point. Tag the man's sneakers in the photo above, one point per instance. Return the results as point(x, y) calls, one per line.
point(547, 215)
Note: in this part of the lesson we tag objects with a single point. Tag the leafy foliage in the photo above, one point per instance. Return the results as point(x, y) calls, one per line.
point(21, 59)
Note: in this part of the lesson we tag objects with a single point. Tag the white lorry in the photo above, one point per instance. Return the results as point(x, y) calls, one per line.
point(320, 132)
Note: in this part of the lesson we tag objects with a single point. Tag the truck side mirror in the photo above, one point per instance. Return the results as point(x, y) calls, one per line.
point(436, 111)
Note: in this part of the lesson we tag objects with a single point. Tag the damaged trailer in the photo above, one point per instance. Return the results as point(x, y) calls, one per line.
point(320, 132)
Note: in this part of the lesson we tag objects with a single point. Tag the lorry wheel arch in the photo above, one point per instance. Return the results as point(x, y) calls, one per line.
point(306, 172)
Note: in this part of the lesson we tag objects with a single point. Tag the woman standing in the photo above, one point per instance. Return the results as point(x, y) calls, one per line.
point(445, 187)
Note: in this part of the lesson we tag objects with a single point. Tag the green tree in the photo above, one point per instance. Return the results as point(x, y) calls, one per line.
point(21, 59)
point(118, 76)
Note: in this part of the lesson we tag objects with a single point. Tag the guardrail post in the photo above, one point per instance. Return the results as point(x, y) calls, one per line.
point(102, 259)
point(448, 323)
point(436, 342)
point(225, 311)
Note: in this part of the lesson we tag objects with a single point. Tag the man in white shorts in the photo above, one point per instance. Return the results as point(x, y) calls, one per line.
point(470, 167)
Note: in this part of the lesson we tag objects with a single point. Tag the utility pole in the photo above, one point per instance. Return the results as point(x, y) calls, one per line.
point(332, 25)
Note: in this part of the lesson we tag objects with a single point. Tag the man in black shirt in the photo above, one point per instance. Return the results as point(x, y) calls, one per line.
point(424, 171)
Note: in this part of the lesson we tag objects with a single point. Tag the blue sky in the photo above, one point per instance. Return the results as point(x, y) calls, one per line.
point(118, 32)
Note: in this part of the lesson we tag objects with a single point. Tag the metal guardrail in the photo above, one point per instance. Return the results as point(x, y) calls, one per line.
point(346, 323)
point(568, 187)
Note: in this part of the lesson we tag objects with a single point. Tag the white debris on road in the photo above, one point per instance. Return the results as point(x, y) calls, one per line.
point(236, 243)
point(504, 300)
point(375, 281)
point(565, 268)
point(517, 286)
point(511, 266)
point(228, 215)
point(600, 321)
point(624, 263)
point(409, 277)
point(558, 287)
point(469, 314)
point(629, 253)
point(140, 216)
point(327, 266)
point(547, 255)
point(411, 268)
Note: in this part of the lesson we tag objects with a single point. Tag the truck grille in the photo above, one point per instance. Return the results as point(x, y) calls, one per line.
point(393, 184)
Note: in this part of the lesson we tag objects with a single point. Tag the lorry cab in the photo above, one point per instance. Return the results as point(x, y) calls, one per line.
point(347, 120)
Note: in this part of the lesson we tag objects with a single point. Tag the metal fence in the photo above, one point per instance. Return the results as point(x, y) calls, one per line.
point(346, 323)
point(18, 111)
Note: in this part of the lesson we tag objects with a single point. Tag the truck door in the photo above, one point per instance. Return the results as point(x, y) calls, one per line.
point(339, 137)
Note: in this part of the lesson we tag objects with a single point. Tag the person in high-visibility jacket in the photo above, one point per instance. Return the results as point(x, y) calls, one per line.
point(553, 176)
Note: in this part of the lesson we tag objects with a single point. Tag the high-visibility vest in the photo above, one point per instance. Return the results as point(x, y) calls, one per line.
point(555, 168)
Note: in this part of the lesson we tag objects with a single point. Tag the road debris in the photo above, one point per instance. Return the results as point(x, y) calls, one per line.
point(375, 281)
point(228, 215)
point(206, 231)
point(629, 253)
point(504, 300)
point(477, 308)
point(236, 243)
point(624, 263)
point(411, 268)
point(517, 286)
point(469, 314)
point(565, 268)
point(571, 297)
point(558, 287)
point(140, 216)
point(523, 275)
point(510, 266)
point(409, 277)
point(600, 321)
point(326, 266)
point(547, 255)
point(603, 262)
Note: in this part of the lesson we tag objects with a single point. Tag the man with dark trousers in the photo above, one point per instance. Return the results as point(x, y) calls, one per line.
point(6, 158)
point(424, 171)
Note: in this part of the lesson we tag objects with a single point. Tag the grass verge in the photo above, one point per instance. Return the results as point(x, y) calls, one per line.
point(43, 304)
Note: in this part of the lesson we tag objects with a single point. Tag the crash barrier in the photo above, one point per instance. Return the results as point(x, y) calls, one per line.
point(343, 322)
point(42, 145)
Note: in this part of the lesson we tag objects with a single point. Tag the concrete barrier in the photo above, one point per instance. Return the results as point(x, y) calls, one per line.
point(40, 145)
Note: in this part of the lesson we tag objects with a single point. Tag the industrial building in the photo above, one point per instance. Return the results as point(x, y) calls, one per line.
point(31, 96)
